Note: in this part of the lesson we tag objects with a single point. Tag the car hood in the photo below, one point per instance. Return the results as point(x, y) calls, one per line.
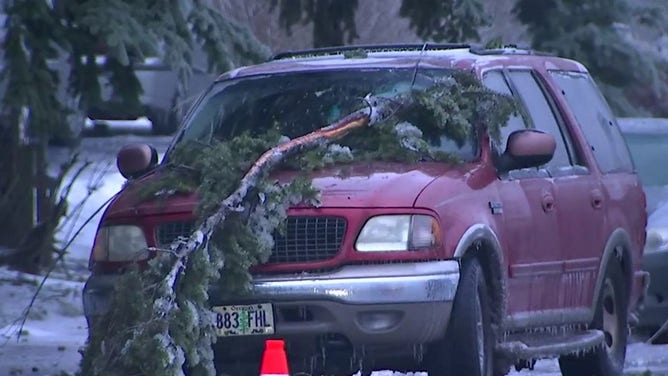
point(379, 185)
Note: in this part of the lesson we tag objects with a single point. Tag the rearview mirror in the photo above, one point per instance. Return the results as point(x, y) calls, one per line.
point(527, 148)
point(135, 160)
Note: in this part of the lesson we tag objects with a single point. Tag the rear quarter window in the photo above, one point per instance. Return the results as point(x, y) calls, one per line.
point(596, 120)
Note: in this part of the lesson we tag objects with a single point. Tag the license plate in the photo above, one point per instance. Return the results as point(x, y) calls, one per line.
point(244, 320)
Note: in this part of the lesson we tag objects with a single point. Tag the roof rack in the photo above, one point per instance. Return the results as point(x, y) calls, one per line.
point(509, 49)
point(474, 49)
point(369, 48)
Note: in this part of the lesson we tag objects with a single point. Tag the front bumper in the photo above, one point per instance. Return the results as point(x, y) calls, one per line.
point(367, 284)
point(406, 303)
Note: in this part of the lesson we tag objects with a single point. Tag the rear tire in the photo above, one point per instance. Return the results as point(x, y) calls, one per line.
point(612, 318)
point(467, 348)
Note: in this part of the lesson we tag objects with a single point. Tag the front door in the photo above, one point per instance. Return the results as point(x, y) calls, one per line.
point(530, 211)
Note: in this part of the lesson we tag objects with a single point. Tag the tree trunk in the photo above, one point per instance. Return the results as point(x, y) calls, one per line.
point(16, 185)
point(27, 201)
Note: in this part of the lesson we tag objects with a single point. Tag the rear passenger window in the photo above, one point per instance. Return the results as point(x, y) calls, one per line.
point(541, 114)
point(495, 81)
point(596, 120)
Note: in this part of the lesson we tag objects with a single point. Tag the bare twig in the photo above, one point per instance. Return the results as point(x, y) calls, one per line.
point(93, 185)
point(662, 330)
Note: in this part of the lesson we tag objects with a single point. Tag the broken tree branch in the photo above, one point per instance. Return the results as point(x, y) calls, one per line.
point(165, 304)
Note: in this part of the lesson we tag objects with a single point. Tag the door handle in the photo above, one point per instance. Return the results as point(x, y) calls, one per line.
point(596, 199)
point(548, 203)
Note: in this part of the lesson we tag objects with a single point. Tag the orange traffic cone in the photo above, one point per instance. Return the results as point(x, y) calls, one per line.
point(274, 359)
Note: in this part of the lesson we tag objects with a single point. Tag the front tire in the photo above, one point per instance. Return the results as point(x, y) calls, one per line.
point(467, 348)
point(612, 318)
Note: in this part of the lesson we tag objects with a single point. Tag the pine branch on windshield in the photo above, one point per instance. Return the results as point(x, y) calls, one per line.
point(160, 320)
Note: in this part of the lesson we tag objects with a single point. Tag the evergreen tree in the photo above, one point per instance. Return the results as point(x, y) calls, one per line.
point(124, 32)
point(445, 21)
point(596, 33)
point(334, 20)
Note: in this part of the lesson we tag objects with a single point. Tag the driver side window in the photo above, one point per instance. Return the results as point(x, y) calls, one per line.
point(495, 81)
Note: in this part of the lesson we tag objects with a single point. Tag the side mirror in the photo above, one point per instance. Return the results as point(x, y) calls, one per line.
point(135, 160)
point(527, 148)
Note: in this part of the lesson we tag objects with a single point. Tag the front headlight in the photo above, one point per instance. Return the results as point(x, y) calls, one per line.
point(120, 243)
point(657, 239)
point(398, 233)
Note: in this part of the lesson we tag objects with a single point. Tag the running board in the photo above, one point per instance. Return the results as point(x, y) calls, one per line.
point(541, 345)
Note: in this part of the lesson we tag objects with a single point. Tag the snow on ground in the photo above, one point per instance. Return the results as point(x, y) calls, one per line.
point(53, 331)
point(55, 328)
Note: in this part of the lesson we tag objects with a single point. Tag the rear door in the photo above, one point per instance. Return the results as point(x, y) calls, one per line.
point(614, 195)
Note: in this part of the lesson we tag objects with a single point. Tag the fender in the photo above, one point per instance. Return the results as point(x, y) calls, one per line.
point(618, 246)
point(481, 236)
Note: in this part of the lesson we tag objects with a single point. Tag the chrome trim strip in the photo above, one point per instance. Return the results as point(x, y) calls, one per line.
point(367, 284)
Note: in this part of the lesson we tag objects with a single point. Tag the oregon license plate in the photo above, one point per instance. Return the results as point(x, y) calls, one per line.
point(244, 320)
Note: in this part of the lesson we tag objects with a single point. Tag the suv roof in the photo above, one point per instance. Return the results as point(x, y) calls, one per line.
point(461, 56)
point(411, 47)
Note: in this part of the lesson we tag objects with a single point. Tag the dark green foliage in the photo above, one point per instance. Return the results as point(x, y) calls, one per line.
point(445, 20)
point(333, 20)
point(596, 33)
point(435, 20)
point(78, 42)
point(123, 31)
point(32, 37)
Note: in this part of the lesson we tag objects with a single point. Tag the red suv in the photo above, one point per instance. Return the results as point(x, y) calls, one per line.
point(529, 248)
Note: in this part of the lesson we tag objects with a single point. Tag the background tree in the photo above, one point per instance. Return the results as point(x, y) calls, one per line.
point(599, 33)
point(334, 20)
point(445, 21)
point(124, 32)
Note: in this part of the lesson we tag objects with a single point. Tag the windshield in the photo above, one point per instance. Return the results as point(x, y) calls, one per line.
point(299, 103)
point(649, 150)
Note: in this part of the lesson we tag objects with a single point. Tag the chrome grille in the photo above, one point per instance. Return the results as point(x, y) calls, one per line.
point(168, 232)
point(309, 239)
point(306, 238)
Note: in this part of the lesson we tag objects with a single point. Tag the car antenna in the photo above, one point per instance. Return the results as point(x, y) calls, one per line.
point(417, 64)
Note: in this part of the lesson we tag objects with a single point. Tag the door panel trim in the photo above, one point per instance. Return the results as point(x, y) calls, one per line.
point(581, 265)
point(536, 269)
point(554, 267)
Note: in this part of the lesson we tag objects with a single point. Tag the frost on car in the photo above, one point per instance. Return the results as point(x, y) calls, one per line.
point(527, 245)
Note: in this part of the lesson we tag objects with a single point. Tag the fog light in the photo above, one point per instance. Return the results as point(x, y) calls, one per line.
point(378, 321)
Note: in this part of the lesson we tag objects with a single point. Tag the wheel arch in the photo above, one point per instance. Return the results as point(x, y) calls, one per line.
point(481, 242)
point(617, 249)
